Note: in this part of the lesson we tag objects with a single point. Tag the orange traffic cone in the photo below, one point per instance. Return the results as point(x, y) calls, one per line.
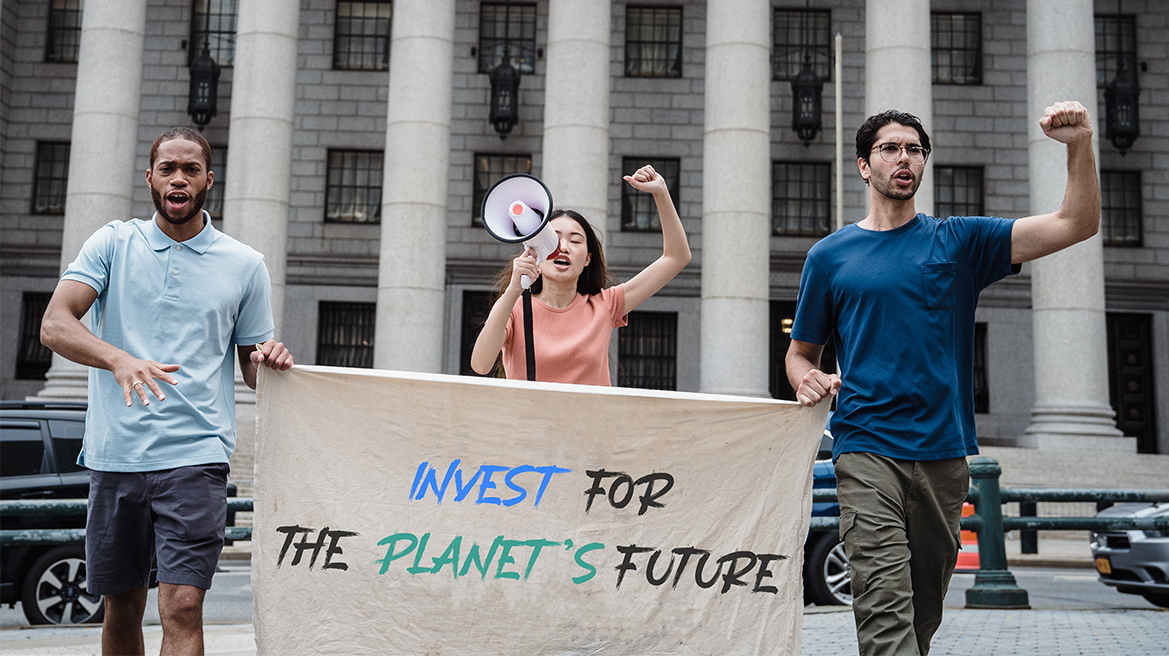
point(968, 556)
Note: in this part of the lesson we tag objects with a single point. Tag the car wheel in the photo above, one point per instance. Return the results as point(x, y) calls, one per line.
point(827, 575)
point(54, 589)
point(1157, 598)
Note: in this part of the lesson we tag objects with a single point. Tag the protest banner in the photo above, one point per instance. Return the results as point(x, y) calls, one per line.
point(403, 513)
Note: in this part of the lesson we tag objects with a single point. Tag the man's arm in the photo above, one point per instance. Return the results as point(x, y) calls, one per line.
point(803, 372)
point(61, 331)
point(271, 354)
point(1078, 218)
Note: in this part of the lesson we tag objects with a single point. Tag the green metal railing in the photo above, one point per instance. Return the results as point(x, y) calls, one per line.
point(75, 507)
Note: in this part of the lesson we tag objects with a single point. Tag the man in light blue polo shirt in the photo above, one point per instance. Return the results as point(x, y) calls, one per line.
point(168, 298)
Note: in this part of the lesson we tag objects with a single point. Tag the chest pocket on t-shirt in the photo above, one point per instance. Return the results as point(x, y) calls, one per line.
point(937, 280)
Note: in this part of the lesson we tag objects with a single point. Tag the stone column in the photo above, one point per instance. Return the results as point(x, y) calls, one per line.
point(259, 146)
point(576, 108)
point(1067, 288)
point(104, 146)
point(736, 198)
point(412, 265)
point(898, 73)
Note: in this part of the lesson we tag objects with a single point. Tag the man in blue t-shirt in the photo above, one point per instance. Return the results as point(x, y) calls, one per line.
point(897, 292)
point(168, 300)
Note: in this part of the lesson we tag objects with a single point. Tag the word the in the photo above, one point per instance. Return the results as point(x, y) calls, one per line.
point(648, 498)
point(426, 478)
point(332, 537)
point(735, 570)
point(503, 552)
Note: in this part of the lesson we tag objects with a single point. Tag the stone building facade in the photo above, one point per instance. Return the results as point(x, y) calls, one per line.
point(356, 235)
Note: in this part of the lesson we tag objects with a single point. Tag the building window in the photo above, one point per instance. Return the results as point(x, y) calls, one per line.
point(647, 351)
point(511, 24)
point(798, 32)
point(345, 334)
point(213, 20)
point(1120, 208)
point(981, 382)
point(653, 42)
point(52, 177)
point(800, 198)
point(353, 192)
point(361, 38)
point(1116, 37)
point(958, 191)
point(639, 212)
point(214, 203)
point(489, 168)
point(476, 307)
point(956, 48)
point(64, 33)
point(33, 359)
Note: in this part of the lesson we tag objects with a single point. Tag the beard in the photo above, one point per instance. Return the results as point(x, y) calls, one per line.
point(888, 189)
point(196, 207)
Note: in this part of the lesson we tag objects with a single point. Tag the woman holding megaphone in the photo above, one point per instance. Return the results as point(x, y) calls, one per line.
point(575, 304)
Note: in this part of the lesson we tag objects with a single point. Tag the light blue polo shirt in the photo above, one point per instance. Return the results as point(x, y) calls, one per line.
point(186, 303)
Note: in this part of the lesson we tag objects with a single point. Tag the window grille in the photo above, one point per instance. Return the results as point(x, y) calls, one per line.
point(653, 41)
point(648, 351)
point(956, 48)
point(800, 198)
point(353, 190)
point(639, 212)
point(476, 307)
point(33, 359)
point(64, 31)
point(214, 202)
point(51, 179)
point(958, 191)
point(981, 382)
point(489, 168)
point(361, 37)
point(345, 333)
point(799, 31)
point(1120, 208)
point(514, 25)
point(1116, 37)
point(215, 19)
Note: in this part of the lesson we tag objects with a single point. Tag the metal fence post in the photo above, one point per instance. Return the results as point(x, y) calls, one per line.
point(994, 586)
point(1028, 537)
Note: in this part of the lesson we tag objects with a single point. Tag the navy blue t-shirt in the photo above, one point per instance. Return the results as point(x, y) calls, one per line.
point(900, 305)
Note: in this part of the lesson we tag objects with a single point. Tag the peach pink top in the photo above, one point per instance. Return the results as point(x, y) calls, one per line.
point(571, 343)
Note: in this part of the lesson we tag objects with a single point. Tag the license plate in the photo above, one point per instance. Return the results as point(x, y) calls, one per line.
point(1103, 565)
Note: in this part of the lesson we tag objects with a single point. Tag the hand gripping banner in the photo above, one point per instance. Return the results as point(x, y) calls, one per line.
point(402, 513)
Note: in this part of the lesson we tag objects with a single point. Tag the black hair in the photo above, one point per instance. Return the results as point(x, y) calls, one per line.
point(866, 135)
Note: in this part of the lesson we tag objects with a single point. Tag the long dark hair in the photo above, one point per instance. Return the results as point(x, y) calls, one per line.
point(595, 276)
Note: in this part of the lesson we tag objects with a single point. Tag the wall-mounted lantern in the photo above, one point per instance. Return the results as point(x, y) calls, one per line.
point(203, 97)
point(505, 95)
point(1122, 120)
point(807, 101)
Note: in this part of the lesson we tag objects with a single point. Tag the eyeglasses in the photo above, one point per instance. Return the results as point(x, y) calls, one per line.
point(891, 152)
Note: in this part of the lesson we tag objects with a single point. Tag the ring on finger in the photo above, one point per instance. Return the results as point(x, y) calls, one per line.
point(137, 383)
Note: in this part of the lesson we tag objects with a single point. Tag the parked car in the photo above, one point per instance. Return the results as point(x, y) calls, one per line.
point(40, 442)
point(827, 576)
point(1134, 562)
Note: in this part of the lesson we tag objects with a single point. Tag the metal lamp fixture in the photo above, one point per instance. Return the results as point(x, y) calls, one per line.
point(807, 90)
point(505, 92)
point(204, 92)
point(1121, 107)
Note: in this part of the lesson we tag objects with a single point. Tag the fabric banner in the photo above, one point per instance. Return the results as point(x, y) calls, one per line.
point(402, 513)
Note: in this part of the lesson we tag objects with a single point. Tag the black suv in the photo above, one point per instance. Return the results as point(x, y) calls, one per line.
point(40, 442)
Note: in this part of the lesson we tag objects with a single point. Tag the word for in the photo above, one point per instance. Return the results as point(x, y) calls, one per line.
point(426, 478)
point(502, 553)
point(325, 535)
point(738, 564)
point(621, 491)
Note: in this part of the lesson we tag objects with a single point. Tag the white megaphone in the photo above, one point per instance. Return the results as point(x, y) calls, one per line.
point(515, 210)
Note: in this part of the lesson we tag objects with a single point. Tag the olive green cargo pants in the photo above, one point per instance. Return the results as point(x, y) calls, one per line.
point(899, 522)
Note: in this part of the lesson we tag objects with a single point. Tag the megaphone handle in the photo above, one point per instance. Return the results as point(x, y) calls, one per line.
point(529, 348)
point(526, 283)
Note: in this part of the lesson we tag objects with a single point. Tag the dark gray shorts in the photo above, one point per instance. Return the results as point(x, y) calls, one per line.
point(174, 517)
